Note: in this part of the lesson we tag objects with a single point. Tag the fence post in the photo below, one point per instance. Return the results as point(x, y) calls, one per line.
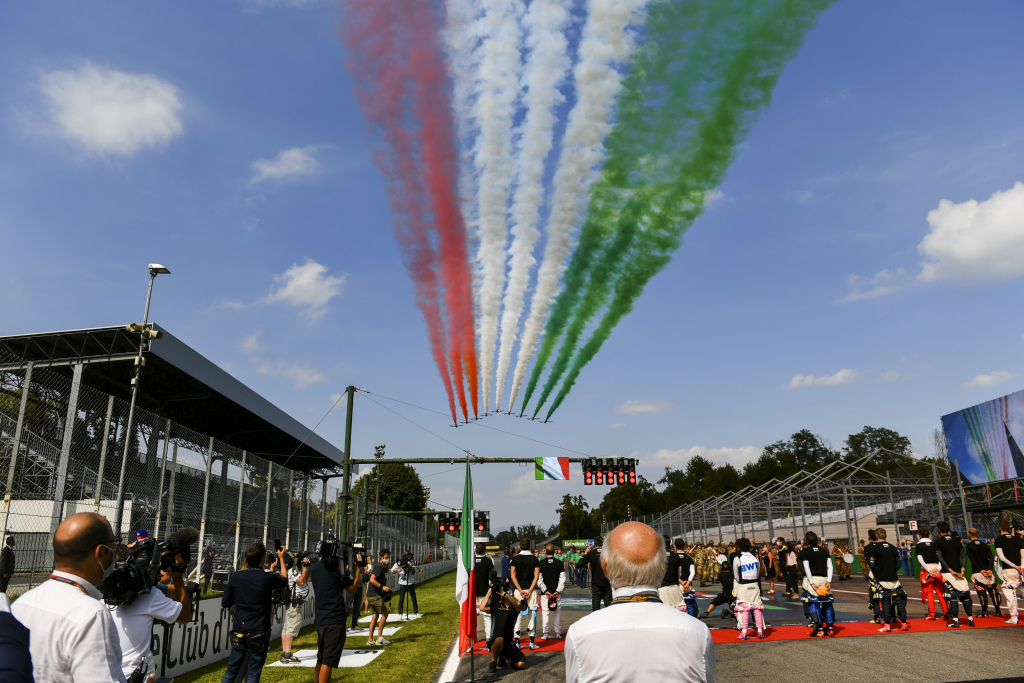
point(170, 491)
point(938, 494)
point(803, 516)
point(846, 510)
point(741, 534)
point(103, 456)
point(718, 514)
point(266, 506)
point(288, 518)
point(307, 503)
point(792, 513)
point(206, 494)
point(771, 522)
point(238, 512)
point(821, 513)
point(892, 506)
point(963, 495)
point(16, 447)
point(65, 449)
point(160, 489)
point(323, 511)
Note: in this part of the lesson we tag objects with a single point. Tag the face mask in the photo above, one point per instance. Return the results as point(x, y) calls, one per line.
point(109, 569)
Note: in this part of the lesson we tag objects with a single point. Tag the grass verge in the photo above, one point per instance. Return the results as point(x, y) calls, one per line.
point(413, 657)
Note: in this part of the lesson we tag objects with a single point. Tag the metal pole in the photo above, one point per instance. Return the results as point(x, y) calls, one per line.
point(846, 510)
point(346, 465)
point(938, 494)
point(288, 519)
point(65, 449)
point(718, 514)
point(170, 490)
point(103, 455)
point(136, 374)
point(266, 505)
point(163, 469)
point(376, 520)
point(821, 514)
point(323, 511)
point(963, 496)
point(206, 494)
point(366, 512)
point(803, 516)
point(238, 512)
point(305, 511)
point(741, 534)
point(771, 522)
point(892, 506)
point(16, 448)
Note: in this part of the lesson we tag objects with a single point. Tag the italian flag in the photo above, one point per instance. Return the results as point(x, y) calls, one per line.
point(465, 579)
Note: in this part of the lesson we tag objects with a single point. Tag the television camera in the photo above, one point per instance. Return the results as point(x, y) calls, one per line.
point(138, 569)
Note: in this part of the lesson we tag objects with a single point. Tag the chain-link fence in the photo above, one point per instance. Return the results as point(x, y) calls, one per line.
point(841, 501)
point(66, 447)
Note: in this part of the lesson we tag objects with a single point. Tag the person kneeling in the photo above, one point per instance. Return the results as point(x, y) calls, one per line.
point(504, 610)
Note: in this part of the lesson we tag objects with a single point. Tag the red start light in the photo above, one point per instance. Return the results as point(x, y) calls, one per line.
point(622, 477)
point(588, 479)
point(600, 477)
point(479, 527)
point(632, 477)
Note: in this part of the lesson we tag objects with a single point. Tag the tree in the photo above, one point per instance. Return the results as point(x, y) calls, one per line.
point(870, 438)
point(507, 538)
point(400, 486)
point(625, 500)
point(574, 518)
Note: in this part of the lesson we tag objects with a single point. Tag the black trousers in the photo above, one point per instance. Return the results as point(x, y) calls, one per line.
point(411, 591)
point(791, 582)
point(356, 602)
point(599, 593)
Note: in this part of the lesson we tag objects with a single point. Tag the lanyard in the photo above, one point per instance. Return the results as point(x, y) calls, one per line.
point(69, 582)
point(637, 597)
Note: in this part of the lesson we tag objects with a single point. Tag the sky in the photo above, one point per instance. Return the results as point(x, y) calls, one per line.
point(860, 265)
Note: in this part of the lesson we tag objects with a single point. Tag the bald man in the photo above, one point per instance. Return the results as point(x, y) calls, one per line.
point(73, 637)
point(638, 632)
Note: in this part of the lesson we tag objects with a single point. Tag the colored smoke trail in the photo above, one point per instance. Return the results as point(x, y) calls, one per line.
point(735, 86)
point(606, 45)
point(401, 86)
point(496, 95)
point(547, 67)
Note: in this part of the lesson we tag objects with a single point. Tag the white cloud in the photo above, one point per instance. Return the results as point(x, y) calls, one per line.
point(844, 376)
point(976, 240)
point(301, 376)
point(251, 344)
point(714, 197)
point(881, 283)
point(677, 459)
point(831, 100)
point(110, 112)
point(306, 286)
point(639, 407)
point(988, 380)
point(889, 376)
point(297, 161)
point(617, 426)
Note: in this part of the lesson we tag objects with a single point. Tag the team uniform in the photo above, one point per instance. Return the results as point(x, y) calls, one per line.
point(817, 566)
point(980, 556)
point(885, 566)
point(552, 580)
point(931, 587)
point(952, 558)
point(687, 573)
point(1008, 549)
point(523, 566)
point(874, 590)
point(746, 573)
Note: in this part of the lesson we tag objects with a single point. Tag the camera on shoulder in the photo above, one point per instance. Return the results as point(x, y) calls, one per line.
point(139, 569)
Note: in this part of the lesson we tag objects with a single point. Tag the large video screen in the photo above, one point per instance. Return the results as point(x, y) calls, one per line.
point(985, 440)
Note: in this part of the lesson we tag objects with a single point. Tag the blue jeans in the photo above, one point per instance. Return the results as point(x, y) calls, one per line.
point(238, 659)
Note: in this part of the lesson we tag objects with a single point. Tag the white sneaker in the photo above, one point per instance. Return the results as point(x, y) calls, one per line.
point(534, 646)
point(382, 641)
point(1011, 620)
point(405, 618)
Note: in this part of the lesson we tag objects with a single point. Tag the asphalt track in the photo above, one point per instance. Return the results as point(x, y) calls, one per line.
point(927, 657)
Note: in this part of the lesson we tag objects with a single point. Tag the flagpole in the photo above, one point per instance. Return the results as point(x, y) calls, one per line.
point(472, 596)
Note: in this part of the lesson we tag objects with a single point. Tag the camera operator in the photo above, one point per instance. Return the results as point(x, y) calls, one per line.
point(503, 607)
point(329, 587)
point(298, 591)
point(134, 622)
point(406, 583)
point(482, 567)
point(73, 637)
point(250, 592)
point(377, 596)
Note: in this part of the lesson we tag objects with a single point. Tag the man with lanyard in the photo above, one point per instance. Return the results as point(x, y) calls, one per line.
point(376, 591)
point(931, 579)
point(482, 566)
point(1008, 550)
point(874, 592)
point(250, 591)
point(552, 583)
point(817, 567)
point(984, 582)
point(525, 575)
point(670, 592)
point(952, 558)
point(637, 634)
point(73, 637)
point(885, 566)
point(687, 573)
point(298, 591)
point(600, 588)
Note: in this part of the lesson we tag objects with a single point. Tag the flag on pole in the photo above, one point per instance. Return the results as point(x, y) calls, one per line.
point(552, 468)
point(465, 578)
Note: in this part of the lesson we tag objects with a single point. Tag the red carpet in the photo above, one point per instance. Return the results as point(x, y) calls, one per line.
point(723, 636)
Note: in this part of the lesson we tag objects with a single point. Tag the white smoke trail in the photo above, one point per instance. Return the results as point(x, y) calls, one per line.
point(546, 68)
point(497, 90)
point(606, 45)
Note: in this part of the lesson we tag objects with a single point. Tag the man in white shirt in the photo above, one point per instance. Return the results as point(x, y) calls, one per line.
point(134, 622)
point(604, 644)
point(73, 637)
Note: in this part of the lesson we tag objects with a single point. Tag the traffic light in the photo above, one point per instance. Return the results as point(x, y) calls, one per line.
point(620, 470)
point(632, 470)
point(442, 522)
point(482, 521)
point(600, 471)
point(588, 472)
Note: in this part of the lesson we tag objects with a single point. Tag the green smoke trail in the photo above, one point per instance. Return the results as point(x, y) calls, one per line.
point(736, 85)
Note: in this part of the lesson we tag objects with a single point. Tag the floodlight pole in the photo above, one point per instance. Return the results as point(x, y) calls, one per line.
point(136, 373)
point(346, 463)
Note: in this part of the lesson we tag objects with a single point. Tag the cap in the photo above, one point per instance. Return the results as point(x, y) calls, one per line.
point(142, 534)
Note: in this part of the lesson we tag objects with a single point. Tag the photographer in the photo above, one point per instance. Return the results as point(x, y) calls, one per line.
point(73, 637)
point(206, 566)
point(482, 568)
point(503, 608)
point(298, 591)
point(406, 583)
point(329, 586)
point(250, 592)
point(134, 622)
point(377, 596)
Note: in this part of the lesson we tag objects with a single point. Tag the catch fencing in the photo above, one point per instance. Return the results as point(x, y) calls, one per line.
point(64, 446)
point(841, 501)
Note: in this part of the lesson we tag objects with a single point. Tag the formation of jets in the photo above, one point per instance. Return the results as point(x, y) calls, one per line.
point(480, 417)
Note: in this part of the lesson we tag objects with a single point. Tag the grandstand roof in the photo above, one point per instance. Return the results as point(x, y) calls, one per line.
point(183, 385)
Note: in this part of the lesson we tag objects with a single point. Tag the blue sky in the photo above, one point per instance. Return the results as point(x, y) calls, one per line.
point(841, 278)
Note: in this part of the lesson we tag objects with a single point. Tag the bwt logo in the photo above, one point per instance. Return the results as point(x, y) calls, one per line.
point(748, 567)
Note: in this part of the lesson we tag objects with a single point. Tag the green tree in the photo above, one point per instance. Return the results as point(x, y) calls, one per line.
point(870, 438)
point(507, 538)
point(574, 518)
point(400, 486)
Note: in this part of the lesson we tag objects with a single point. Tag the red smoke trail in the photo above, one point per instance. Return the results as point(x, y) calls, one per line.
point(381, 66)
